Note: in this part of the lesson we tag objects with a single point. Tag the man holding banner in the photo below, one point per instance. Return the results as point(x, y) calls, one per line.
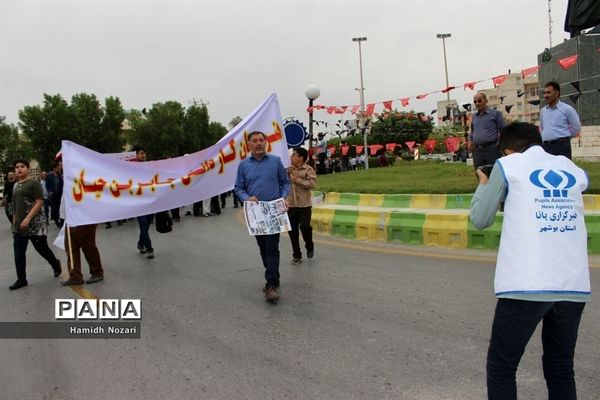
point(262, 177)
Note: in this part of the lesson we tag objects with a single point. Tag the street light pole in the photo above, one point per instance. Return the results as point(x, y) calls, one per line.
point(312, 92)
point(443, 36)
point(362, 97)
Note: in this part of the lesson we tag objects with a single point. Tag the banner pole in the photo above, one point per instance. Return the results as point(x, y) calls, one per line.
point(70, 250)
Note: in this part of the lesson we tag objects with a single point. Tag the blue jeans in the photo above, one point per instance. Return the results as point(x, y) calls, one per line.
point(269, 253)
point(40, 243)
point(514, 323)
point(144, 240)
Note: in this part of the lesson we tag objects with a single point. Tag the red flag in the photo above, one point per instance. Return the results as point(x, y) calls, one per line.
point(340, 110)
point(498, 80)
point(345, 149)
point(310, 109)
point(375, 148)
point(354, 109)
point(470, 85)
point(331, 109)
point(409, 145)
point(389, 147)
point(387, 105)
point(370, 109)
point(568, 62)
point(529, 71)
point(429, 145)
point(359, 149)
point(404, 101)
point(422, 96)
point(449, 88)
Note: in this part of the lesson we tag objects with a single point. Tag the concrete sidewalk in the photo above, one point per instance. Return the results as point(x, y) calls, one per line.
point(430, 220)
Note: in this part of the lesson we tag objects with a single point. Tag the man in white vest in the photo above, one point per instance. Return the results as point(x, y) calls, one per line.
point(542, 271)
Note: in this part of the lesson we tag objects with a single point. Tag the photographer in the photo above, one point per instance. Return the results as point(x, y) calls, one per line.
point(542, 271)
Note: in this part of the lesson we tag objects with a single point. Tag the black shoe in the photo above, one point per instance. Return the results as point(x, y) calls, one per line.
point(176, 219)
point(57, 271)
point(150, 254)
point(188, 213)
point(141, 249)
point(108, 225)
point(119, 223)
point(296, 261)
point(17, 285)
point(236, 206)
point(94, 279)
point(310, 253)
point(71, 282)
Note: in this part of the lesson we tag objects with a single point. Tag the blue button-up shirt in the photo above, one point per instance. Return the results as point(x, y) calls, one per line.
point(486, 126)
point(559, 121)
point(266, 179)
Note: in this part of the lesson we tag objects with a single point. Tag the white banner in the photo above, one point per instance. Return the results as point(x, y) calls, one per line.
point(100, 188)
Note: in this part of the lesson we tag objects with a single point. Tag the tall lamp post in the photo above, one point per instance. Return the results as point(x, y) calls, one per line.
point(443, 36)
point(362, 97)
point(312, 92)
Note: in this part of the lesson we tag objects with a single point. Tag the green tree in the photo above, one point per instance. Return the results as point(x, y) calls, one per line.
point(196, 129)
point(13, 145)
point(400, 127)
point(46, 126)
point(234, 121)
point(216, 131)
point(160, 131)
point(112, 139)
point(87, 115)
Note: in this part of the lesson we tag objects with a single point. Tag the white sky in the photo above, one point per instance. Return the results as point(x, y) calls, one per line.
point(233, 54)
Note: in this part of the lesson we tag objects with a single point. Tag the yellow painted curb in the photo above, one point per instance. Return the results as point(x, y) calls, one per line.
point(332, 198)
point(321, 219)
point(445, 230)
point(428, 201)
point(372, 225)
point(370, 200)
point(591, 202)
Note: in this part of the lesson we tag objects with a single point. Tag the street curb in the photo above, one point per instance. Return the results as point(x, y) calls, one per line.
point(436, 220)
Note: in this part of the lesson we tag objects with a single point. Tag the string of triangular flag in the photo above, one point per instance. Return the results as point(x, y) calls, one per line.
point(566, 63)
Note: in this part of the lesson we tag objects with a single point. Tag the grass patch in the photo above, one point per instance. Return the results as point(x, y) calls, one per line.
point(426, 177)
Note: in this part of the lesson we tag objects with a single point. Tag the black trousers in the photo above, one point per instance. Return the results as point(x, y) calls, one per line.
point(40, 243)
point(558, 148)
point(300, 221)
point(514, 323)
point(269, 253)
point(485, 155)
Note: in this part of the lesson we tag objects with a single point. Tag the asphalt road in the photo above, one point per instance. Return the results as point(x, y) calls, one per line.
point(359, 321)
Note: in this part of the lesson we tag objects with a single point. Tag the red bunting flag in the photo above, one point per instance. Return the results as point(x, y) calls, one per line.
point(375, 148)
point(354, 109)
point(422, 96)
point(387, 105)
point(389, 147)
point(567, 62)
point(345, 149)
point(529, 71)
point(359, 149)
point(449, 88)
point(470, 85)
point(340, 110)
point(404, 101)
point(331, 109)
point(499, 80)
point(409, 145)
point(310, 109)
point(370, 109)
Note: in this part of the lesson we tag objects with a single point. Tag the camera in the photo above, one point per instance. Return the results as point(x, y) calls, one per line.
point(486, 169)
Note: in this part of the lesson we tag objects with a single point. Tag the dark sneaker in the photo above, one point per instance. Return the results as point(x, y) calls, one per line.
point(71, 282)
point(141, 249)
point(94, 279)
point(310, 253)
point(296, 261)
point(57, 270)
point(108, 225)
point(150, 254)
point(271, 294)
point(17, 285)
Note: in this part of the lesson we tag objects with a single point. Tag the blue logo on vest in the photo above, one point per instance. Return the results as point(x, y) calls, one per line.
point(555, 184)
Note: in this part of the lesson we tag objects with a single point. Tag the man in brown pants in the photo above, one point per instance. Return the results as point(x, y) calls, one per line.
point(83, 237)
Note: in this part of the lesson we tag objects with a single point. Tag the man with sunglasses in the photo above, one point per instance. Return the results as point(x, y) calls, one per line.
point(485, 129)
